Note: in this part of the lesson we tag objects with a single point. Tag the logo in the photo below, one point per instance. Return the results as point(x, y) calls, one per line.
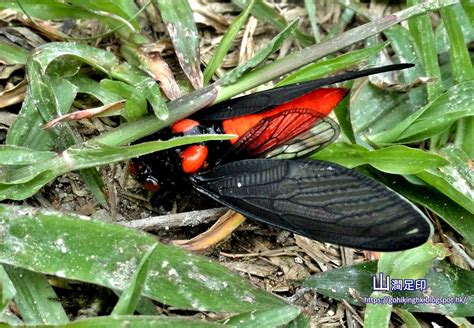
point(386, 284)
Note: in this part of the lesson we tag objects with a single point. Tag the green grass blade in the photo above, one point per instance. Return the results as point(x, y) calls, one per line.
point(77, 9)
point(455, 180)
point(422, 32)
point(442, 38)
point(25, 181)
point(276, 317)
point(27, 189)
point(47, 9)
point(17, 155)
point(95, 183)
point(460, 61)
point(144, 85)
point(7, 291)
point(301, 321)
point(313, 18)
point(464, 138)
point(469, 8)
point(91, 87)
point(136, 105)
point(101, 255)
point(336, 283)
point(49, 96)
point(92, 156)
point(226, 42)
point(444, 182)
point(130, 297)
point(403, 45)
point(343, 115)
point(374, 110)
point(346, 18)
point(432, 119)
point(408, 318)
point(413, 263)
point(12, 54)
point(395, 159)
point(377, 315)
point(107, 63)
point(462, 71)
point(127, 10)
point(35, 297)
point(145, 321)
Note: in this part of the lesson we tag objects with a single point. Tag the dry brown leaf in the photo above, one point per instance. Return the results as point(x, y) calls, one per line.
point(13, 95)
point(105, 110)
point(22, 37)
point(204, 14)
point(7, 118)
point(7, 70)
point(190, 65)
point(44, 28)
point(155, 66)
point(318, 252)
point(254, 269)
point(289, 266)
point(247, 46)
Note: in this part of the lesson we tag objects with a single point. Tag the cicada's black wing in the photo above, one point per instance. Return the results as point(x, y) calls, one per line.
point(268, 99)
point(323, 133)
point(319, 200)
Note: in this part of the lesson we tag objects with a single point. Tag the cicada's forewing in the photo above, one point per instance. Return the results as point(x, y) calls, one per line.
point(319, 200)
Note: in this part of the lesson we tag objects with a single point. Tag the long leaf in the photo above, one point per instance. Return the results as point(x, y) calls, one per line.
point(42, 241)
point(455, 180)
point(434, 118)
point(20, 183)
point(35, 297)
point(8, 290)
point(275, 317)
point(130, 321)
point(395, 159)
point(422, 32)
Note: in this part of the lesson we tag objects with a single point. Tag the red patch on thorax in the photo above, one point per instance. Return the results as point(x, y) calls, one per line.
point(193, 158)
point(183, 125)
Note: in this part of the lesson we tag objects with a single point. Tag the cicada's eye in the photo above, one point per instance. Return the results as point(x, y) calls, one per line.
point(151, 184)
point(135, 168)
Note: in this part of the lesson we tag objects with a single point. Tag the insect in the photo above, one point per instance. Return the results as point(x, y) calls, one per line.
point(260, 174)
